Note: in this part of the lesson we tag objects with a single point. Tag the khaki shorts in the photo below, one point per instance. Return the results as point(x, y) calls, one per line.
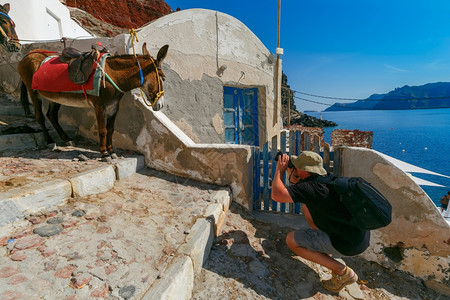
point(316, 240)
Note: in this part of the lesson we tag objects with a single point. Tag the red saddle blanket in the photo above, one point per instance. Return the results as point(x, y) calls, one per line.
point(53, 76)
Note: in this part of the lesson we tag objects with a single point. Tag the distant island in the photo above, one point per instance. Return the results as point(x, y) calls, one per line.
point(431, 95)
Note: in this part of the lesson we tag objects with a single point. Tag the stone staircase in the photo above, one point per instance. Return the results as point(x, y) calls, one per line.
point(108, 232)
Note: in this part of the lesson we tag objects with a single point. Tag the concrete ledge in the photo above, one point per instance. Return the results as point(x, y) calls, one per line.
point(177, 282)
point(129, 166)
point(216, 213)
point(95, 181)
point(223, 197)
point(198, 243)
point(213, 211)
point(38, 197)
point(219, 223)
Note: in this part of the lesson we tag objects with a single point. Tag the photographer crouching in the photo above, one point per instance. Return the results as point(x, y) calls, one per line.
point(327, 237)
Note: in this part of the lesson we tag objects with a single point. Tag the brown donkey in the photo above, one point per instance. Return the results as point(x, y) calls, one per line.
point(123, 73)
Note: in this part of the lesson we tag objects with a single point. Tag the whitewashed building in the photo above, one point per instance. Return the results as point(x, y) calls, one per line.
point(43, 20)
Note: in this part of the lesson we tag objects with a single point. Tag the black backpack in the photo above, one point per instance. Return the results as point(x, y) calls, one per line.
point(367, 206)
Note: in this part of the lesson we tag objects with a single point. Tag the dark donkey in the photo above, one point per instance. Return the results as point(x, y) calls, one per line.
point(8, 36)
point(124, 73)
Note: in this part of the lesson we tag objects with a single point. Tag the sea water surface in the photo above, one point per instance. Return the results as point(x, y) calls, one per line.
point(419, 137)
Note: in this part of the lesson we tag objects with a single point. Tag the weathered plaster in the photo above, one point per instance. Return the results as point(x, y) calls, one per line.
point(394, 177)
point(217, 123)
point(183, 125)
point(414, 261)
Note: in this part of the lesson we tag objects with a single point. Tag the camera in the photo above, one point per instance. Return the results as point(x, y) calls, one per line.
point(277, 156)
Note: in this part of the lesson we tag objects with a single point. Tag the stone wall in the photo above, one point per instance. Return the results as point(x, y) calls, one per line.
point(9, 76)
point(309, 136)
point(351, 138)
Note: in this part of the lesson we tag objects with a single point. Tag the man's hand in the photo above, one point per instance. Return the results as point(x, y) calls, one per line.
point(279, 191)
point(283, 163)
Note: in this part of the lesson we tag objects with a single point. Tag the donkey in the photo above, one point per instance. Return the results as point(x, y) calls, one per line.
point(123, 73)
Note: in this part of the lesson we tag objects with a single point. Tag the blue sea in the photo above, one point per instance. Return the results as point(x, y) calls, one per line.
point(419, 137)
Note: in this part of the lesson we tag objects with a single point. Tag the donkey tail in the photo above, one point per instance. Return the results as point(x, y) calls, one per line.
point(24, 99)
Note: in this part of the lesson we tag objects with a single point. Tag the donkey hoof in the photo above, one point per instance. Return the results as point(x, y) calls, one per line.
point(70, 143)
point(106, 159)
point(114, 156)
point(52, 146)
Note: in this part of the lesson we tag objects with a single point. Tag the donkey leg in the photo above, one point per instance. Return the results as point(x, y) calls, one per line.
point(110, 130)
point(39, 116)
point(52, 115)
point(101, 124)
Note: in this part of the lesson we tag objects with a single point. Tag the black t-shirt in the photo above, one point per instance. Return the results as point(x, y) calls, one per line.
point(326, 211)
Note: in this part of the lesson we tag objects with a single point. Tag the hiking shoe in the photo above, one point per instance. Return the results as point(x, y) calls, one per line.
point(338, 282)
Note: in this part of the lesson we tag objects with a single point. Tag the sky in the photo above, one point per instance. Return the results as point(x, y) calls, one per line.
point(347, 48)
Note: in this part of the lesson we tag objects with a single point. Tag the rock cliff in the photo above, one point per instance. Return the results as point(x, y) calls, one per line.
point(296, 117)
point(111, 17)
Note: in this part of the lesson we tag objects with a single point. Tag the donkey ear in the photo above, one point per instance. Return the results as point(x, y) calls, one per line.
point(6, 7)
point(162, 53)
point(144, 49)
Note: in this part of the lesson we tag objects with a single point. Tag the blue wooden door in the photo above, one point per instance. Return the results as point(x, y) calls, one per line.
point(240, 110)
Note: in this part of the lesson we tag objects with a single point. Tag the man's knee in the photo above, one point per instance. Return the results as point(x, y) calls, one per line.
point(292, 244)
point(290, 240)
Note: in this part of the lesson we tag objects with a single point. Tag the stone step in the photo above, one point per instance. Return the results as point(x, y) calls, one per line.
point(20, 141)
point(11, 110)
point(19, 202)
